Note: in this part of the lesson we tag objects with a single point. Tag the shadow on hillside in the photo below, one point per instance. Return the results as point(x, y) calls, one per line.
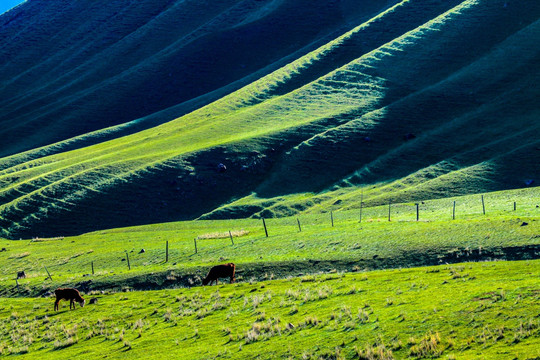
point(437, 110)
point(279, 270)
point(69, 76)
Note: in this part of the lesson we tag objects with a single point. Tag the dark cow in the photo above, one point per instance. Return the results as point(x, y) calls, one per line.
point(68, 294)
point(21, 275)
point(221, 168)
point(220, 271)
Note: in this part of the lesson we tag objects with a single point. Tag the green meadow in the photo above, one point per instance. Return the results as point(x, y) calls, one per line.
point(351, 243)
point(485, 310)
point(309, 292)
point(373, 175)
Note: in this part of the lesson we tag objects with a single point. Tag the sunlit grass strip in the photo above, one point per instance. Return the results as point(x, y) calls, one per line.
point(223, 235)
point(398, 314)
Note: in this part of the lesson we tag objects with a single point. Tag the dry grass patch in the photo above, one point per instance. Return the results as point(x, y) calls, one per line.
point(430, 346)
point(19, 256)
point(223, 235)
point(37, 239)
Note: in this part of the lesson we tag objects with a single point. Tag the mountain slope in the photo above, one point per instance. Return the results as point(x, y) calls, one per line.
point(68, 68)
point(426, 99)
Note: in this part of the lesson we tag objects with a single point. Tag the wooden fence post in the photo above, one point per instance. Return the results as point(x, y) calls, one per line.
point(514, 206)
point(167, 251)
point(48, 274)
point(92, 268)
point(417, 211)
point(454, 212)
point(195, 241)
point(230, 235)
point(332, 218)
point(483, 206)
point(389, 206)
point(127, 257)
point(361, 204)
point(265, 230)
point(17, 281)
point(299, 227)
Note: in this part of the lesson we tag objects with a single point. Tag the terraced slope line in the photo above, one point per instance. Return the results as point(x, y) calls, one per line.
point(68, 68)
point(475, 130)
point(328, 134)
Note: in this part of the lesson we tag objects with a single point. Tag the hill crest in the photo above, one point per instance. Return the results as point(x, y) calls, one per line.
point(423, 100)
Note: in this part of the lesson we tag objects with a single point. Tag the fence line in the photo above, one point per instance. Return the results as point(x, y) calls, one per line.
point(393, 210)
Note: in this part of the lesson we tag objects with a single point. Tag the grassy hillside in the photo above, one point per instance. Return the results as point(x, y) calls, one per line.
point(307, 292)
point(330, 149)
point(67, 68)
point(459, 311)
point(349, 244)
point(424, 100)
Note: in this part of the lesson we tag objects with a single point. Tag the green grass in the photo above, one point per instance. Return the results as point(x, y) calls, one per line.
point(460, 75)
point(474, 311)
point(309, 294)
point(158, 75)
point(300, 131)
point(348, 245)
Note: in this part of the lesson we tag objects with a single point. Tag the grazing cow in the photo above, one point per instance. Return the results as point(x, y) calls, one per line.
point(21, 275)
point(220, 271)
point(68, 294)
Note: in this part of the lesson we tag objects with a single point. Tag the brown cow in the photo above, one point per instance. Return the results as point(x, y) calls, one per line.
point(220, 271)
point(68, 294)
